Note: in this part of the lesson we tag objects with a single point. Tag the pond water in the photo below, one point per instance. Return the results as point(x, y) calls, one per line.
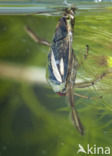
point(34, 121)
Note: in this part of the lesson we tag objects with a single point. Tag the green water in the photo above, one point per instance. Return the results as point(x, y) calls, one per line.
point(33, 120)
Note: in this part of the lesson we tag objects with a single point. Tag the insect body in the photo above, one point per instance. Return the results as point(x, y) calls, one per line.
point(61, 57)
point(63, 64)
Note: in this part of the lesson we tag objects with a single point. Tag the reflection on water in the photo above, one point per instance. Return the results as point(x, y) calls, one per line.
point(26, 7)
point(35, 121)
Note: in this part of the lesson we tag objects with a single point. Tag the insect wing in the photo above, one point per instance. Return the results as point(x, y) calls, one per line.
point(59, 55)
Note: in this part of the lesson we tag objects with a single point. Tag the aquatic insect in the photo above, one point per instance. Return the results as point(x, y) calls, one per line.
point(63, 64)
point(62, 67)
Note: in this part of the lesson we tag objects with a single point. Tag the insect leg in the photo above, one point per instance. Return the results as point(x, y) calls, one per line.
point(85, 84)
point(35, 37)
point(92, 82)
point(85, 55)
point(87, 52)
point(82, 96)
point(75, 116)
point(87, 97)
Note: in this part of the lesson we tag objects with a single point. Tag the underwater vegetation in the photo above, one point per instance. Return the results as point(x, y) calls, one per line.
point(33, 119)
